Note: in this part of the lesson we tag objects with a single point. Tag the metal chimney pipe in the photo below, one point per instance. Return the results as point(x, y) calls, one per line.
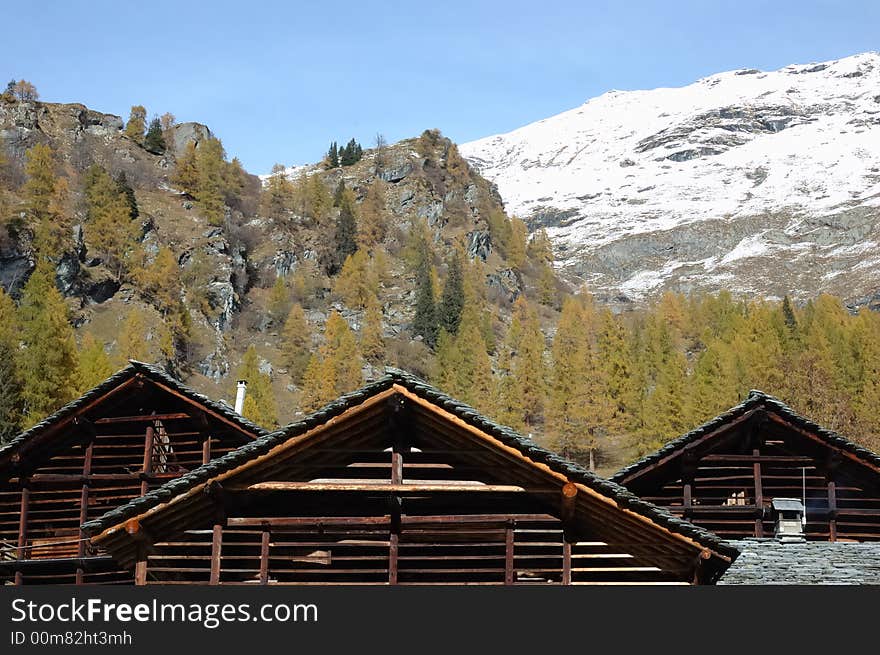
point(239, 396)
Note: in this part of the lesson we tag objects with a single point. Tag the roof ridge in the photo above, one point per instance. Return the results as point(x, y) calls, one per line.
point(508, 436)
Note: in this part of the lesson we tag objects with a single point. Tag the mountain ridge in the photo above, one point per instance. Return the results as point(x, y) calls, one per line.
point(709, 185)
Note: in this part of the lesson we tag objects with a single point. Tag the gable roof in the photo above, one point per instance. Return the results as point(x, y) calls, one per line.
point(757, 400)
point(102, 527)
point(769, 561)
point(94, 395)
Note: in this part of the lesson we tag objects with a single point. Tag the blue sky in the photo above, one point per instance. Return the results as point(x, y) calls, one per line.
point(277, 81)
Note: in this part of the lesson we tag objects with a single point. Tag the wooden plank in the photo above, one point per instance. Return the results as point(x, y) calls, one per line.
point(22, 521)
point(107, 420)
point(832, 511)
point(367, 486)
point(759, 492)
point(264, 557)
point(216, 551)
point(140, 567)
point(509, 571)
point(757, 458)
point(566, 562)
point(206, 449)
point(148, 457)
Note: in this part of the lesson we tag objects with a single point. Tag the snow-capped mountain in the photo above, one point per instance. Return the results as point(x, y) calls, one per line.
point(765, 182)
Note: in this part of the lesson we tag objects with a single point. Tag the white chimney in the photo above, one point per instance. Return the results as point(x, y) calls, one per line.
point(239, 396)
point(789, 519)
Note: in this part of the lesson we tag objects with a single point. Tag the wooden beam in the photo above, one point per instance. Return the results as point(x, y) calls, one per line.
point(216, 549)
point(566, 562)
point(206, 448)
point(759, 490)
point(148, 457)
point(843, 453)
point(421, 487)
point(23, 519)
point(756, 457)
point(832, 510)
point(140, 567)
point(140, 418)
point(264, 556)
point(84, 506)
point(509, 570)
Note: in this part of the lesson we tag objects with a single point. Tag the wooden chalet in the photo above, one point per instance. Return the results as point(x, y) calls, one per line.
point(397, 483)
point(127, 436)
point(725, 474)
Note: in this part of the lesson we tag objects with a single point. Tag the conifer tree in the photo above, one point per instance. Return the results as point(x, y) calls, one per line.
point(211, 166)
point(128, 192)
point(277, 196)
point(452, 300)
point(318, 384)
point(372, 342)
point(133, 341)
point(296, 343)
point(155, 140)
point(109, 229)
point(137, 123)
point(279, 301)
point(425, 320)
point(346, 226)
point(94, 363)
point(358, 283)
point(341, 355)
point(333, 156)
point(516, 249)
point(10, 381)
point(371, 223)
point(186, 171)
point(259, 402)
point(40, 185)
point(47, 361)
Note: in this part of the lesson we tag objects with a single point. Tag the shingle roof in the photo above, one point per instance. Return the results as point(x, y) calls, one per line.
point(506, 435)
point(134, 367)
point(755, 400)
point(769, 561)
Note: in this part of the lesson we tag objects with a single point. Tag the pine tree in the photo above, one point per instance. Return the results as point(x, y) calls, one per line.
point(371, 223)
point(452, 300)
point(109, 227)
point(346, 226)
point(341, 355)
point(211, 166)
point(358, 283)
point(94, 364)
point(279, 301)
point(133, 340)
point(47, 362)
point(516, 249)
point(259, 403)
point(125, 189)
point(155, 140)
point(186, 171)
point(277, 196)
point(10, 382)
point(40, 185)
point(296, 343)
point(425, 320)
point(318, 384)
point(137, 123)
point(372, 342)
point(333, 156)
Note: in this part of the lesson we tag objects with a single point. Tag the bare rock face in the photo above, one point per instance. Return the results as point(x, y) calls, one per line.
point(183, 133)
point(764, 183)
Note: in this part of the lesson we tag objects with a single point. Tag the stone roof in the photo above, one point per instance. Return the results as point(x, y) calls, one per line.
point(134, 367)
point(506, 435)
point(769, 561)
point(755, 400)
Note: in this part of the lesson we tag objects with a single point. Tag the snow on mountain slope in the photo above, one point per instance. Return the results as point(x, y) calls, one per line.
point(766, 182)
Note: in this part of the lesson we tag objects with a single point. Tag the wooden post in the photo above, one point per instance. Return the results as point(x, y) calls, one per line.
point(22, 527)
point(396, 418)
point(759, 495)
point(832, 510)
point(264, 556)
point(148, 458)
point(569, 494)
point(509, 566)
point(216, 548)
point(206, 448)
point(140, 567)
point(84, 507)
point(566, 560)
